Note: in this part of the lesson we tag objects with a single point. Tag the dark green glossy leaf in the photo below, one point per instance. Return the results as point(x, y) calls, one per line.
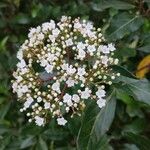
point(141, 141)
point(56, 134)
point(137, 126)
point(4, 110)
point(42, 144)
point(116, 4)
point(22, 19)
point(123, 24)
point(95, 124)
point(27, 142)
point(145, 48)
point(139, 89)
point(123, 71)
point(148, 3)
point(130, 147)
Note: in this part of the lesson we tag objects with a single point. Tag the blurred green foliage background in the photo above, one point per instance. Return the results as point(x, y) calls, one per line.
point(125, 22)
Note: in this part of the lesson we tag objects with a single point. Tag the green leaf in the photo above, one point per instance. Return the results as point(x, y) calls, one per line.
point(123, 24)
point(130, 147)
point(123, 71)
point(145, 48)
point(55, 134)
point(95, 124)
point(4, 110)
point(134, 110)
point(3, 43)
point(141, 141)
point(137, 126)
point(27, 142)
point(103, 144)
point(22, 19)
point(116, 4)
point(4, 142)
point(4, 128)
point(35, 10)
point(139, 89)
point(148, 3)
point(125, 52)
point(123, 96)
point(42, 144)
point(74, 125)
point(16, 2)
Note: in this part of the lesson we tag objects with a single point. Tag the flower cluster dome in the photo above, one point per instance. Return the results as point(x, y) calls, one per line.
point(62, 65)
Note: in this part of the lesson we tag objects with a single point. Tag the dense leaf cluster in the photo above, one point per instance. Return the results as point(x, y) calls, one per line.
point(124, 123)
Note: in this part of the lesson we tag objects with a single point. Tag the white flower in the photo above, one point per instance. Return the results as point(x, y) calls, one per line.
point(21, 89)
point(69, 42)
point(81, 54)
point(39, 121)
point(62, 81)
point(21, 64)
point(104, 49)
point(88, 30)
point(46, 105)
point(24, 89)
point(61, 121)
point(49, 68)
point(44, 62)
point(70, 70)
point(63, 18)
point(82, 78)
point(15, 86)
point(55, 32)
point(19, 78)
point(50, 57)
point(48, 26)
point(32, 32)
point(67, 99)
point(52, 38)
point(28, 102)
point(100, 93)
point(77, 25)
point(105, 60)
point(20, 55)
point(70, 82)
point(81, 71)
point(111, 47)
point(80, 46)
point(85, 94)
point(40, 36)
point(64, 66)
point(56, 86)
point(91, 48)
point(23, 71)
point(91, 34)
point(75, 98)
point(101, 102)
point(19, 92)
point(89, 26)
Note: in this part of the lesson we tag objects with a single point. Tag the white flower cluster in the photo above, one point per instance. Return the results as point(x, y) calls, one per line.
point(62, 65)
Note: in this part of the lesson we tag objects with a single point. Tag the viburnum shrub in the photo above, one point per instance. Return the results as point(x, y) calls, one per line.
point(62, 65)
